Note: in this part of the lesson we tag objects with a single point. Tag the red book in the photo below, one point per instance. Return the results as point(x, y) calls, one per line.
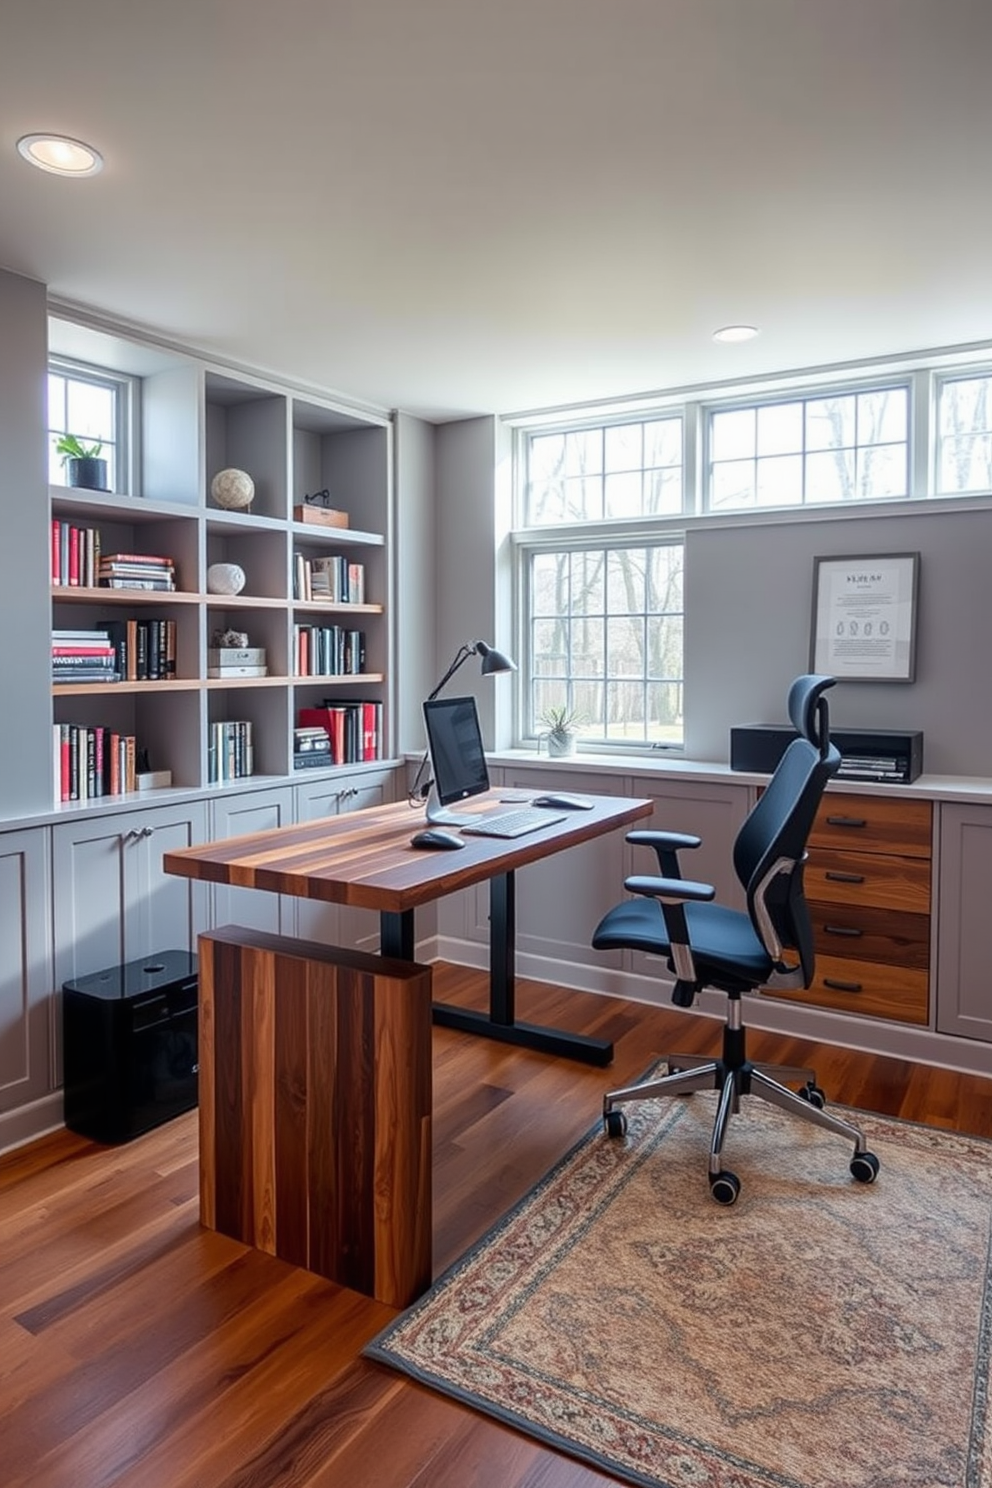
point(56, 551)
point(74, 555)
point(368, 731)
point(64, 762)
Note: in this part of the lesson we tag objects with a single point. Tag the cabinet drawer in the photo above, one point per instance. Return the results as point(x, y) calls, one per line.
point(865, 987)
point(861, 933)
point(885, 824)
point(877, 879)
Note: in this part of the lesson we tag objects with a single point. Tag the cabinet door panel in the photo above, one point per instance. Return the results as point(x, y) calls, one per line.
point(235, 816)
point(964, 986)
point(91, 895)
point(172, 910)
point(25, 968)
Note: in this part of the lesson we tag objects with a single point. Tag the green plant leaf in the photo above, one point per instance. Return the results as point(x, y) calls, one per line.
point(72, 448)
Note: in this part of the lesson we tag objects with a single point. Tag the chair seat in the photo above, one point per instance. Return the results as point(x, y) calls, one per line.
point(724, 944)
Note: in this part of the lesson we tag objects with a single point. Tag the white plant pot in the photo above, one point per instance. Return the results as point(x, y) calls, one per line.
point(561, 743)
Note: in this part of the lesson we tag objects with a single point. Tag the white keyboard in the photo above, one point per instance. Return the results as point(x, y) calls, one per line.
point(513, 823)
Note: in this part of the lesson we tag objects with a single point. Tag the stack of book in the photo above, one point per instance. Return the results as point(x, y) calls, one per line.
point(83, 656)
point(229, 752)
point(231, 661)
point(75, 555)
point(136, 571)
point(355, 728)
point(92, 761)
point(334, 579)
point(145, 650)
point(311, 748)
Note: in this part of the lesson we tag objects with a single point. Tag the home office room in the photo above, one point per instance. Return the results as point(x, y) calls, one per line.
point(496, 801)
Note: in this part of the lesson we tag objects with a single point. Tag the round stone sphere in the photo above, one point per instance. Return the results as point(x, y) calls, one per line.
point(225, 578)
point(232, 489)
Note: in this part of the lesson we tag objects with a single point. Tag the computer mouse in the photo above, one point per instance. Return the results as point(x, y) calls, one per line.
point(436, 837)
point(560, 801)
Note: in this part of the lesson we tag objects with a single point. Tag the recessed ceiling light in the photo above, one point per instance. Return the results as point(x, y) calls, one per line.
point(60, 154)
point(735, 333)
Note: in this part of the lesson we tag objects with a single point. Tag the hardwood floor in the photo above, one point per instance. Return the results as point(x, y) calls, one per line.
point(138, 1350)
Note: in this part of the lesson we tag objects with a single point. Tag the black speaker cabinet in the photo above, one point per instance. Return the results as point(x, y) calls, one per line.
point(130, 1046)
point(865, 754)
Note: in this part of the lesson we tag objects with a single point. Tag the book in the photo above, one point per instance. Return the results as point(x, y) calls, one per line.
point(237, 671)
point(156, 584)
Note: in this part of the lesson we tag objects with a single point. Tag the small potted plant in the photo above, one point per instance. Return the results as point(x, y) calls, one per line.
point(82, 462)
point(562, 725)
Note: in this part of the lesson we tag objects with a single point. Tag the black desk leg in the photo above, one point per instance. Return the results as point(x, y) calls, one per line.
point(396, 934)
point(500, 1021)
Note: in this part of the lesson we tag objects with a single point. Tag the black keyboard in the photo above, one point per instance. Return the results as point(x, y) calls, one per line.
point(513, 823)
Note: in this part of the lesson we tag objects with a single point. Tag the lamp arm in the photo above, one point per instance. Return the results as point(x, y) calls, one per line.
point(461, 655)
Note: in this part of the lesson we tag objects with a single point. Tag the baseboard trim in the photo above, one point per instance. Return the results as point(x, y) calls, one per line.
point(29, 1122)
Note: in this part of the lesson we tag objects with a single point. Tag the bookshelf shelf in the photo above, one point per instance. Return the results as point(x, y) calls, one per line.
point(198, 418)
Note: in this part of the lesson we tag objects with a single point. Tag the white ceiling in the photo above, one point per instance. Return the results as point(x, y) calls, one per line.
point(453, 208)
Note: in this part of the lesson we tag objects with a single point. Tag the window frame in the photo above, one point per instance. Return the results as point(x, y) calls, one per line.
point(126, 390)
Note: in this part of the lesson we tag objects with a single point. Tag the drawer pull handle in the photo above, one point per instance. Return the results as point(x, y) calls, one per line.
point(846, 821)
point(836, 986)
point(835, 877)
point(842, 930)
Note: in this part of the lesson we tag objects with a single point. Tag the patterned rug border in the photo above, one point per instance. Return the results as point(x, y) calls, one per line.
point(378, 1350)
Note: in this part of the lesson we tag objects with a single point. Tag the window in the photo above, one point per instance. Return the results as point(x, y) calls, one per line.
point(964, 435)
point(603, 580)
point(606, 641)
point(833, 447)
point(94, 405)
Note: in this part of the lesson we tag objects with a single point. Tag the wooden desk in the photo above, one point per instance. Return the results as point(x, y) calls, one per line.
point(364, 858)
point(315, 1062)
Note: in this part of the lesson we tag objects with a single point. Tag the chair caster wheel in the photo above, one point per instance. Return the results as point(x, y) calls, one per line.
point(725, 1187)
point(811, 1092)
point(864, 1167)
point(615, 1123)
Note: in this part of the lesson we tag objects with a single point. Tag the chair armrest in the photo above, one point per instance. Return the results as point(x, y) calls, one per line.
point(670, 890)
point(672, 894)
point(666, 845)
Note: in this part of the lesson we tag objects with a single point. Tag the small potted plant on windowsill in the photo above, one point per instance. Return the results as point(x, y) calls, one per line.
point(562, 725)
point(83, 465)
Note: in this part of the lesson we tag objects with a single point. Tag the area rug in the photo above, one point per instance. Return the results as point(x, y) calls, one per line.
point(820, 1333)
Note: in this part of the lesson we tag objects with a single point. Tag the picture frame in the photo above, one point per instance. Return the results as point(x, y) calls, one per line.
point(864, 617)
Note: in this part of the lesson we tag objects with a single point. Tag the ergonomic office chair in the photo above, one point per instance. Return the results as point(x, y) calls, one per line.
point(710, 945)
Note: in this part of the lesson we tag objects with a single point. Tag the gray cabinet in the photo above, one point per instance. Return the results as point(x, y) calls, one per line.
point(964, 987)
point(335, 924)
point(234, 816)
point(112, 901)
point(26, 1063)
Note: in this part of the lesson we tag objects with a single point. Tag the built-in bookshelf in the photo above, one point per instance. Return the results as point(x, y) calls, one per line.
point(319, 638)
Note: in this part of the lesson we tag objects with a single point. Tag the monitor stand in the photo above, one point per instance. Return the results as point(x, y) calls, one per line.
point(440, 816)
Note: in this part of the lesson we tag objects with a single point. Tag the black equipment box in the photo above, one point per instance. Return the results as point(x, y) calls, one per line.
point(130, 1046)
point(887, 755)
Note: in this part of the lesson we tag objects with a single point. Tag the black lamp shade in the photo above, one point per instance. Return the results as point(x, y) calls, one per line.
point(493, 660)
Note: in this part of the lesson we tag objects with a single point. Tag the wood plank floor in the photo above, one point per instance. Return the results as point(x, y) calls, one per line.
point(138, 1350)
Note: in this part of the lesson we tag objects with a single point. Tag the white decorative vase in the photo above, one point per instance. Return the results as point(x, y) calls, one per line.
point(561, 742)
point(232, 489)
point(225, 578)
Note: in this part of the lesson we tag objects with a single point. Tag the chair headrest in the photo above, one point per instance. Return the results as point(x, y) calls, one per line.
point(808, 709)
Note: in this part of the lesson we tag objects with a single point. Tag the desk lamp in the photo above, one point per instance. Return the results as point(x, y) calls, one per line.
point(493, 661)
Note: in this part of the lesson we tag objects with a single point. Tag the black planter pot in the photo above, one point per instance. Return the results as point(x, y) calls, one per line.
point(89, 472)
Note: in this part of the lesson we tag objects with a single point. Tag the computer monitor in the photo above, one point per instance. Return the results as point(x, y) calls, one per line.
point(458, 760)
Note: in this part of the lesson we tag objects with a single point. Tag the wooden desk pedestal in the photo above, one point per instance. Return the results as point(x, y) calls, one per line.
point(315, 1108)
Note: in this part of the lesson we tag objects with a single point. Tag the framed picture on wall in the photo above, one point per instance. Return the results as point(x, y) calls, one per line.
point(864, 617)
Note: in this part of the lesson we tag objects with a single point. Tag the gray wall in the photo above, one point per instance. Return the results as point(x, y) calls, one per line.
point(414, 603)
point(748, 608)
point(25, 765)
point(466, 564)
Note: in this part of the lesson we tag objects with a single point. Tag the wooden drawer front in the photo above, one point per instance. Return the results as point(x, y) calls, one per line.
point(858, 933)
point(868, 878)
point(885, 824)
point(866, 987)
